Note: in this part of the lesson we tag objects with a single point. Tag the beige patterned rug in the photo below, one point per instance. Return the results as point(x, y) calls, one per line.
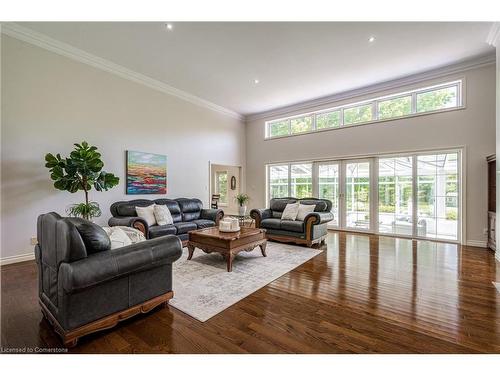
point(203, 288)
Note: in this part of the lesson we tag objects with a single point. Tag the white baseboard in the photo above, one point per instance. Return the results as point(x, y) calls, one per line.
point(17, 258)
point(477, 243)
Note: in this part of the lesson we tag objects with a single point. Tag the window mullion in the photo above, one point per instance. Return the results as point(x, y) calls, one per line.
point(414, 102)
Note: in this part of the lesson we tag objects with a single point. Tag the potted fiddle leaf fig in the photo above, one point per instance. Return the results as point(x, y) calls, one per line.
point(242, 200)
point(81, 171)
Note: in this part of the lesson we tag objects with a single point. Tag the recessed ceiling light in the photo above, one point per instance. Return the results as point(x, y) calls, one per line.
point(169, 26)
point(256, 81)
point(371, 39)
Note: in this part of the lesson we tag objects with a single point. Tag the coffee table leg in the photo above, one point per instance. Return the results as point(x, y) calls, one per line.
point(263, 248)
point(229, 258)
point(191, 251)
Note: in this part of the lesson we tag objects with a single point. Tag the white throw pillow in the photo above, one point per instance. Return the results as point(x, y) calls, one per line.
point(135, 235)
point(304, 210)
point(163, 215)
point(290, 212)
point(147, 213)
point(118, 237)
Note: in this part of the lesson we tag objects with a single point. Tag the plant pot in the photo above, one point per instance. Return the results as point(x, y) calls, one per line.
point(242, 210)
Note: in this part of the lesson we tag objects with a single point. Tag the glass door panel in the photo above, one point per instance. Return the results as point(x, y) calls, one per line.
point(328, 187)
point(357, 195)
point(301, 180)
point(278, 181)
point(395, 198)
point(438, 192)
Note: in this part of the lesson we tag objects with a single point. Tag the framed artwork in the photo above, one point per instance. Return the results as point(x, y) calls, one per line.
point(146, 173)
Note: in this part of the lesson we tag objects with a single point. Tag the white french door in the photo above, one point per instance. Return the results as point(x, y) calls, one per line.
point(328, 184)
point(348, 184)
point(357, 194)
point(413, 195)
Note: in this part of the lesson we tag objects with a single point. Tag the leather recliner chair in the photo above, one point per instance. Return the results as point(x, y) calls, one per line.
point(312, 230)
point(84, 286)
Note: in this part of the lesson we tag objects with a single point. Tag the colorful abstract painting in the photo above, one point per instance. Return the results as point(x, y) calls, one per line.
point(146, 173)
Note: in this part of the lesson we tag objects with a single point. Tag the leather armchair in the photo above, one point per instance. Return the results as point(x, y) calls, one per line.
point(312, 230)
point(84, 286)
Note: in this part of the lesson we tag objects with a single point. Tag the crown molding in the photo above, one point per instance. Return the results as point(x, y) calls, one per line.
point(310, 105)
point(43, 41)
point(493, 37)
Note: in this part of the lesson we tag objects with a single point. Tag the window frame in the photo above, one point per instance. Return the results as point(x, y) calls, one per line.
point(374, 102)
point(441, 87)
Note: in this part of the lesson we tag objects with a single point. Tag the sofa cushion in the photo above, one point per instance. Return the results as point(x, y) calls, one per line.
point(128, 208)
point(203, 223)
point(271, 223)
point(162, 230)
point(290, 212)
point(304, 210)
point(117, 237)
point(279, 204)
point(147, 213)
point(277, 214)
point(93, 236)
point(190, 216)
point(190, 208)
point(184, 227)
point(162, 214)
point(292, 226)
point(321, 205)
point(172, 206)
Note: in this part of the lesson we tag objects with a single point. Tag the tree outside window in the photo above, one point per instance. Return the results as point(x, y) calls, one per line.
point(221, 186)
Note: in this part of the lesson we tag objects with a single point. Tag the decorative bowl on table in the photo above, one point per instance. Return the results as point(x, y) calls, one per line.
point(229, 225)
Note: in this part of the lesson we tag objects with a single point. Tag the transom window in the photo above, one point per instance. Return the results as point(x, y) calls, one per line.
point(425, 100)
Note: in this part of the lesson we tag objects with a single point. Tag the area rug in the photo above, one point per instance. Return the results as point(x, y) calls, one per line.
point(203, 287)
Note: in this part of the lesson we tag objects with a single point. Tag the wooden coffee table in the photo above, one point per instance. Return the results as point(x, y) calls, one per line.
point(227, 244)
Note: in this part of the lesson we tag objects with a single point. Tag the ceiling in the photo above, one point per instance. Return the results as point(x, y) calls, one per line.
point(293, 61)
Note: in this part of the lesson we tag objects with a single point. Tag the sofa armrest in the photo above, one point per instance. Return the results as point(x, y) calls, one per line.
point(132, 221)
point(319, 217)
point(259, 214)
point(212, 214)
point(112, 264)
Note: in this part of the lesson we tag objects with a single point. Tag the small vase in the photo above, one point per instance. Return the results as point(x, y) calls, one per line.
point(242, 210)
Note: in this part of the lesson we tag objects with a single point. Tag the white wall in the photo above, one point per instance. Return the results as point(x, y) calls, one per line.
point(49, 102)
point(473, 127)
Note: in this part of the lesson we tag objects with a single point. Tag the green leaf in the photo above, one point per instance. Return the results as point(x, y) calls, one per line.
point(60, 184)
point(80, 171)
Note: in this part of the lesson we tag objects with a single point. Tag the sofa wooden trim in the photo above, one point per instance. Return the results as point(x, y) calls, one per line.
point(70, 338)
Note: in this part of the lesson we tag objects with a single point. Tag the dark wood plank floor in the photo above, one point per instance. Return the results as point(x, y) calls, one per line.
point(363, 294)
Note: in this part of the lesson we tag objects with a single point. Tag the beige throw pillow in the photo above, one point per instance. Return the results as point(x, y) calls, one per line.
point(117, 236)
point(290, 212)
point(135, 235)
point(304, 210)
point(163, 215)
point(147, 213)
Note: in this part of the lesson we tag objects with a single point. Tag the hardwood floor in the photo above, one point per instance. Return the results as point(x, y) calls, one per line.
point(363, 294)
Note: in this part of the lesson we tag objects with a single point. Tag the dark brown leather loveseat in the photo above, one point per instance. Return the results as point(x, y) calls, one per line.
point(311, 230)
